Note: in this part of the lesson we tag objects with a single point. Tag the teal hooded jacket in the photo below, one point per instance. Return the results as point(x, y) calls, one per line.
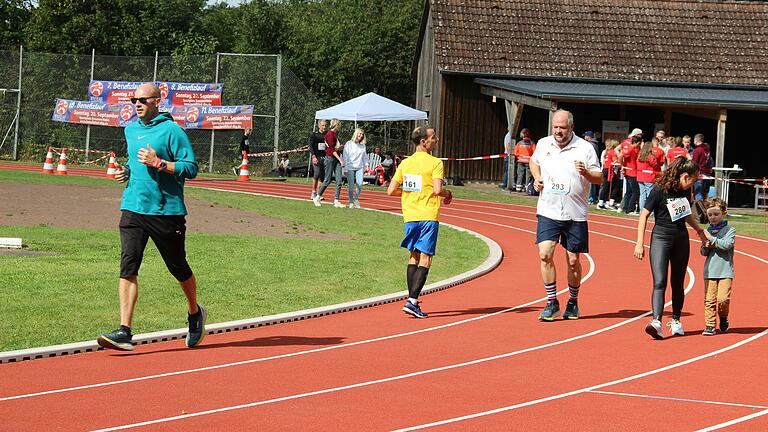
point(149, 191)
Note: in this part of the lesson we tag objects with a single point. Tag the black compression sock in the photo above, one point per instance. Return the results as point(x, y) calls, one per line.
point(420, 278)
point(410, 278)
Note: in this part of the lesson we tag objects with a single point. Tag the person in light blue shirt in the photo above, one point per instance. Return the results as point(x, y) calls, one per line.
point(718, 267)
point(160, 158)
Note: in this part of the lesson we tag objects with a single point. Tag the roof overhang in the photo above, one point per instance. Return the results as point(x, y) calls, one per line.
point(543, 93)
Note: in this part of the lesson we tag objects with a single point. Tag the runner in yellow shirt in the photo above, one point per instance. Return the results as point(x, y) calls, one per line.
point(421, 177)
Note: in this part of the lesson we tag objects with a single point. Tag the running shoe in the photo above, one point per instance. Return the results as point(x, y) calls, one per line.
point(571, 310)
point(654, 329)
point(676, 328)
point(414, 310)
point(314, 194)
point(551, 311)
point(316, 200)
point(357, 204)
point(118, 340)
point(351, 205)
point(196, 327)
point(708, 331)
point(338, 204)
point(724, 324)
point(601, 205)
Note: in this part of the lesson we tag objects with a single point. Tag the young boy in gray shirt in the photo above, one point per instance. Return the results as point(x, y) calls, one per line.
point(718, 267)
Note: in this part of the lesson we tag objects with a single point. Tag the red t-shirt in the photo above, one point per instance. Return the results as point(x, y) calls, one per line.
point(630, 157)
point(610, 159)
point(674, 152)
point(646, 170)
point(330, 143)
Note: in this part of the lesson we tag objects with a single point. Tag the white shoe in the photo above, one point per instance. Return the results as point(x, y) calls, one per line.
point(316, 200)
point(357, 204)
point(676, 328)
point(338, 204)
point(314, 194)
point(351, 205)
point(654, 329)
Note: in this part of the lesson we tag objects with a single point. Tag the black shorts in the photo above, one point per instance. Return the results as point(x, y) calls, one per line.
point(318, 171)
point(573, 235)
point(168, 234)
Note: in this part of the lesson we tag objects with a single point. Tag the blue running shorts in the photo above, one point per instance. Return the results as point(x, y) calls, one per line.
point(421, 236)
point(573, 235)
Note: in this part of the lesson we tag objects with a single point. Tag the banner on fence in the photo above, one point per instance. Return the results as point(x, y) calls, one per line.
point(213, 117)
point(93, 113)
point(199, 94)
point(171, 93)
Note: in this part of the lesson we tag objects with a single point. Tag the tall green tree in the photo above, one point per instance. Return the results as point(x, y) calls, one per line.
point(14, 14)
point(118, 27)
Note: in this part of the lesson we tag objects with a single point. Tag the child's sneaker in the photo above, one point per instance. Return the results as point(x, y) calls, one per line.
point(654, 329)
point(316, 200)
point(708, 331)
point(724, 324)
point(338, 204)
point(676, 328)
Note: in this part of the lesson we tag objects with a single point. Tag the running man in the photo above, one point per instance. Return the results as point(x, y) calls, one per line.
point(563, 166)
point(160, 158)
point(421, 177)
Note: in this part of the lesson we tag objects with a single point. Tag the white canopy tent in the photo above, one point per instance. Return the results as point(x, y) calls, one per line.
point(371, 107)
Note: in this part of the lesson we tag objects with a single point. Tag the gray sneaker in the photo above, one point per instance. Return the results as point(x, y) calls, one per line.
point(118, 340)
point(196, 327)
point(551, 311)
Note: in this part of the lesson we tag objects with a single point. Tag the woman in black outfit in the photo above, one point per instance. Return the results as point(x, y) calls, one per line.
point(670, 202)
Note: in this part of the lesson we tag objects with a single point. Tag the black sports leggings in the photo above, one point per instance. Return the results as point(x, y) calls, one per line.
point(668, 248)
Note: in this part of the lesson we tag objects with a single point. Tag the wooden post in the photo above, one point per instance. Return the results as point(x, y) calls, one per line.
point(514, 114)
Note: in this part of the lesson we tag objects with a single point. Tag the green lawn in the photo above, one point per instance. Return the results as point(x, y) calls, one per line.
point(72, 295)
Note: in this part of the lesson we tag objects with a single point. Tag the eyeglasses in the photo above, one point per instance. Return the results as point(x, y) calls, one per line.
point(143, 100)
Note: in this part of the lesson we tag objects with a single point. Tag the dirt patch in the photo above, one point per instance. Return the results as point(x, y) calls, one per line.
point(99, 208)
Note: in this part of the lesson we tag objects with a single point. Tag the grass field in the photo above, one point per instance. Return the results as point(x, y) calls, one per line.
point(72, 295)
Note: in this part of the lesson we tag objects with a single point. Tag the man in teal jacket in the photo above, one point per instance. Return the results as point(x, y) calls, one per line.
point(160, 158)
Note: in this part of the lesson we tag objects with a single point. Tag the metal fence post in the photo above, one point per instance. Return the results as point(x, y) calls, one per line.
point(88, 128)
point(213, 132)
point(18, 108)
point(277, 107)
point(154, 71)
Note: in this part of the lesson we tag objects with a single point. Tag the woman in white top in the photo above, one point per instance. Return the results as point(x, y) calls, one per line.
point(355, 160)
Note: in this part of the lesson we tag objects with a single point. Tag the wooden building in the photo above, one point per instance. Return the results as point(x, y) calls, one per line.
point(483, 67)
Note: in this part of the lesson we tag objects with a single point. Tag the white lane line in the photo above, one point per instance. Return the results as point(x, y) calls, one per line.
point(298, 353)
point(393, 378)
point(677, 399)
point(594, 387)
point(734, 421)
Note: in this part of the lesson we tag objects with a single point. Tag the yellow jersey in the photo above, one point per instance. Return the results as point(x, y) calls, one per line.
point(415, 175)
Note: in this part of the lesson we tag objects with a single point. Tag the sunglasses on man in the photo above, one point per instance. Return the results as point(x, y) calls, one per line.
point(143, 100)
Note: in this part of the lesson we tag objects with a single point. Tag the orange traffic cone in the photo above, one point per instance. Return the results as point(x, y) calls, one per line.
point(48, 164)
point(111, 168)
point(62, 168)
point(244, 173)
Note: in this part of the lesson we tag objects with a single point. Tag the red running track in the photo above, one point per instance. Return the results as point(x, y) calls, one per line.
point(481, 361)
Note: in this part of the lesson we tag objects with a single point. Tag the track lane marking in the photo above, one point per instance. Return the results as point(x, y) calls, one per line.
point(734, 421)
point(598, 386)
point(677, 399)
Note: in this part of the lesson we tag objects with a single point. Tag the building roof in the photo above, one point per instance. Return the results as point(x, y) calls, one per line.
point(704, 41)
point(633, 93)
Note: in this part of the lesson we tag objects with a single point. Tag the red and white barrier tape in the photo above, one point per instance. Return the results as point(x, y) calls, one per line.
point(496, 156)
point(57, 150)
point(296, 150)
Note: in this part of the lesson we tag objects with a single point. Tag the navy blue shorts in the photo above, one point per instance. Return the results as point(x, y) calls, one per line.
point(421, 236)
point(573, 235)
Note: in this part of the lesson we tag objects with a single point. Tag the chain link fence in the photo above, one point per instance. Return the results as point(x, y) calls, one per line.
point(283, 107)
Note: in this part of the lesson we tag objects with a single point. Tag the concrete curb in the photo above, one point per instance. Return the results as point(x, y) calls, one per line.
point(494, 259)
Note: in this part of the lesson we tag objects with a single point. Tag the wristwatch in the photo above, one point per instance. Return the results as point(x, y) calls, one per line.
point(163, 165)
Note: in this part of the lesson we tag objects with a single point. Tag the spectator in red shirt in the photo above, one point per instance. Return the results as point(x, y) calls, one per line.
point(702, 156)
point(629, 151)
point(677, 150)
point(648, 167)
point(610, 190)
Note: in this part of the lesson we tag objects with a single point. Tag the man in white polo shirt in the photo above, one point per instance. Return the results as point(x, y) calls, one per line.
point(563, 166)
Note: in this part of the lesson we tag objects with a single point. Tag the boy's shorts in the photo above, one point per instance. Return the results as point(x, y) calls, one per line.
point(421, 236)
point(573, 235)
